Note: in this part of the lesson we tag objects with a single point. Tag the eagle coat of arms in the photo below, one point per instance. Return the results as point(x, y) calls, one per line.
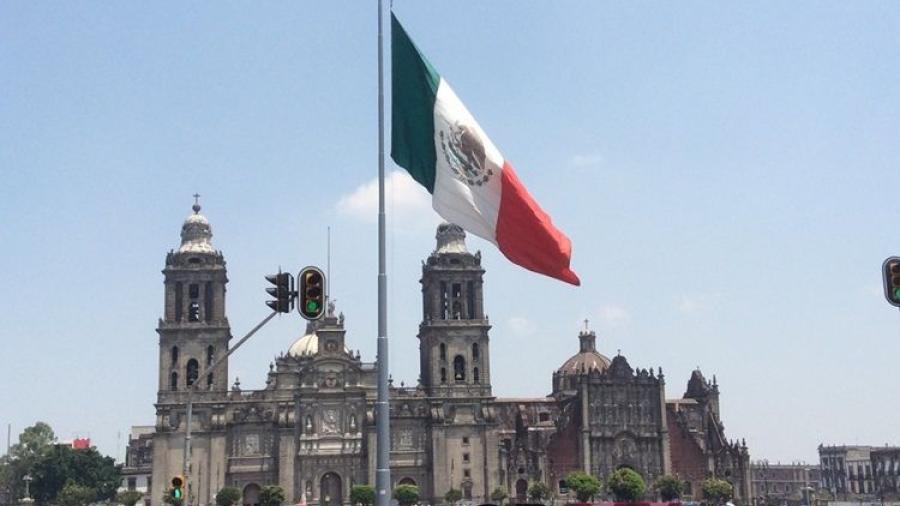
point(464, 152)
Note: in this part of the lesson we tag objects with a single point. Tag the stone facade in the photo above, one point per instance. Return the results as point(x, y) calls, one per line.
point(886, 470)
point(311, 429)
point(847, 472)
point(861, 473)
point(138, 468)
point(792, 484)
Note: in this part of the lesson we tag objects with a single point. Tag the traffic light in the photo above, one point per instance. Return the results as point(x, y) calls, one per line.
point(891, 273)
point(177, 492)
point(283, 291)
point(312, 293)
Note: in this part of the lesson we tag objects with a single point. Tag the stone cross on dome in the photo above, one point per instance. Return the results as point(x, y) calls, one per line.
point(196, 206)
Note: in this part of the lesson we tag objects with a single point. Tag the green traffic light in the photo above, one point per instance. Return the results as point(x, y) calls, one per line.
point(176, 493)
point(312, 306)
point(897, 293)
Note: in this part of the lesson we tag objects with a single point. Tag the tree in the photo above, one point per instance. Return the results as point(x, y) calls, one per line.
point(129, 497)
point(538, 491)
point(406, 494)
point(584, 485)
point(626, 485)
point(33, 442)
point(452, 496)
point(717, 491)
point(228, 496)
point(271, 495)
point(85, 467)
point(362, 494)
point(73, 494)
point(669, 487)
point(499, 495)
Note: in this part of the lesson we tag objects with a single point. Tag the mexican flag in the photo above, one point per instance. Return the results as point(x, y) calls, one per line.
point(437, 140)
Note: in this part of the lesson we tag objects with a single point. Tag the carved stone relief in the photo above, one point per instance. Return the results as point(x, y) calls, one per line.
point(331, 421)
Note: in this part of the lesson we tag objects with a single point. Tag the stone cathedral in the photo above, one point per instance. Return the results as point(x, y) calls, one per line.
point(311, 429)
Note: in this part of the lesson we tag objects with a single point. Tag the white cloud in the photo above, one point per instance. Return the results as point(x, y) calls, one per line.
point(695, 304)
point(406, 202)
point(585, 161)
point(689, 305)
point(522, 326)
point(613, 315)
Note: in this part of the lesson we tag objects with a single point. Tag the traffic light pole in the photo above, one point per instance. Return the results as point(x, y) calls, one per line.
point(186, 471)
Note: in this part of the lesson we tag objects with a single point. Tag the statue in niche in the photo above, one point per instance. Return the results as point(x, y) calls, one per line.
point(352, 423)
point(330, 423)
point(309, 425)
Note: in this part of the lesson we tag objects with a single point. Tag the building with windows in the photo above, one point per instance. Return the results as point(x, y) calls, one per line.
point(886, 472)
point(791, 484)
point(138, 469)
point(311, 429)
point(847, 472)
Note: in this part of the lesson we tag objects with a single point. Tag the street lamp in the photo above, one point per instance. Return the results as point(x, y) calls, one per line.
point(808, 494)
point(27, 479)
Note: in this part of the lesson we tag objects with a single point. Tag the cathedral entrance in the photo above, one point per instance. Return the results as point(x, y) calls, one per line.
point(330, 492)
point(251, 495)
point(521, 491)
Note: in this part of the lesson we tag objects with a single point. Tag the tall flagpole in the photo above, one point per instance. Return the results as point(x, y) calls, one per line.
point(382, 409)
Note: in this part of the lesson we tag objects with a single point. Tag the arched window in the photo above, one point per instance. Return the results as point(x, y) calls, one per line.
point(475, 376)
point(193, 369)
point(445, 300)
point(174, 356)
point(209, 380)
point(443, 351)
point(474, 350)
point(443, 375)
point(194, 307)
point(459, 368)
point(173, 381)
point(210, 351)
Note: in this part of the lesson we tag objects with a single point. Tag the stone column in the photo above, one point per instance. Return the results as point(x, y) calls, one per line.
point(585, 426)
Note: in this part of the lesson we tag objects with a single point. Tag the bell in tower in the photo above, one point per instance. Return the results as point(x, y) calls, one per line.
point(194, 330)
point(453, 335)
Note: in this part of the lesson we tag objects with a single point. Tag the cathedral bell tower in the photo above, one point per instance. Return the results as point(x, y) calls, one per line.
point(193, 331)
point(453, 336)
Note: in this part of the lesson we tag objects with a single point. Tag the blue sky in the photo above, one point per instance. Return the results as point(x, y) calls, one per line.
point(726, 172)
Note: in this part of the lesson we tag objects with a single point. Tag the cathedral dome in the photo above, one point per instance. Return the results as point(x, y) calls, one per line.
point(196, 234)
point(307, 345)
point(451, 238)
point(587, 357)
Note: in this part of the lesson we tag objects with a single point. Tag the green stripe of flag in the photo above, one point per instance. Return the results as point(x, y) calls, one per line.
point(414, 85)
